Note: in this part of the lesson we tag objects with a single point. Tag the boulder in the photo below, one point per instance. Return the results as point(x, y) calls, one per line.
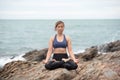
point(89, 53)
point(36, 55)
point(110, 47)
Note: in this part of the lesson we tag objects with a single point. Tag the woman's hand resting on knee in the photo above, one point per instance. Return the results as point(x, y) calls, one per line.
point(76, 61)
point(45, 62)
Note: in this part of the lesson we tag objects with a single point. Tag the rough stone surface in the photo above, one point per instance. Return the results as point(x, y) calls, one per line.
point(91, 66)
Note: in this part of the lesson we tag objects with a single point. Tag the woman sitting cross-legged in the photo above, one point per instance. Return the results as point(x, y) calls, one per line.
point(58, 45)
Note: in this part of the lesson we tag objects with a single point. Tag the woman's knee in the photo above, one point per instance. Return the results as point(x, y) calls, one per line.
point(72, 65)
point(47, 66)
point(75, 66)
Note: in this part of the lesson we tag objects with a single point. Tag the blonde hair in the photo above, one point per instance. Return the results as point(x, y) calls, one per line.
point(57, 23)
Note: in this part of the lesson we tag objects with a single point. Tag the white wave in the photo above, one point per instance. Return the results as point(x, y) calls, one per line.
point(79, 51)
point(102, 52)
point(4, 60)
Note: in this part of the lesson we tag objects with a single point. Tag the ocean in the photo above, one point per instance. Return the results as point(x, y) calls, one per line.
point(20, 36)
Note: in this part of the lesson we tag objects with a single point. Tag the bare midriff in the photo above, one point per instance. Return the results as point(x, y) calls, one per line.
point(59, 50)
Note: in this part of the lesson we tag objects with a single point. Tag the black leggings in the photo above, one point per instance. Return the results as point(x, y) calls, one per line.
point(70, 65)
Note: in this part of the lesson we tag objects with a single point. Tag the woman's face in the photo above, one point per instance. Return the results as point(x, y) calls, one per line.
point(60, 28)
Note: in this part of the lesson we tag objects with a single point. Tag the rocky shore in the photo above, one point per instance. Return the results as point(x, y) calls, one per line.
point(93, 65)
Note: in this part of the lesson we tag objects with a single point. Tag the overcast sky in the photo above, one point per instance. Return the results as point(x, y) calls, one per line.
point(59, 9)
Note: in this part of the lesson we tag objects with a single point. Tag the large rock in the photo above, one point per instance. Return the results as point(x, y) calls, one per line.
point(89, 54)
point(20, 70)
point(36, 55)
point(110, 47)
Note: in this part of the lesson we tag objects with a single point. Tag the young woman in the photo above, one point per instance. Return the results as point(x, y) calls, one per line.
point(58, 45)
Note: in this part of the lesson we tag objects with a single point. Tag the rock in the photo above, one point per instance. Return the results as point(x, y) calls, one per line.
point(107, 68)
point(115, 49)
point(21, 70)
point(89, 53)
point(110, 47)
point(103, 48)
point(115, 56)
point(94, 67)
point(36, 55)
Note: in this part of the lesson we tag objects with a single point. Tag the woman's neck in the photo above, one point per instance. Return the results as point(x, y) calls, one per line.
point(59, 34)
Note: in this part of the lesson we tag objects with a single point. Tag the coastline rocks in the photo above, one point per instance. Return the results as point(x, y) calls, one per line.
point(89, 54)
point(36, 55)
point(110, 47)
point(21, 70)
point(91, 66)
point(103, 67)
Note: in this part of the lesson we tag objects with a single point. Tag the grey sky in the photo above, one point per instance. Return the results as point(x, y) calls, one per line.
point(59, 9)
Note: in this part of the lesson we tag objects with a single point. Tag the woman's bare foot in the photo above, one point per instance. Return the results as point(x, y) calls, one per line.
point(65, 60)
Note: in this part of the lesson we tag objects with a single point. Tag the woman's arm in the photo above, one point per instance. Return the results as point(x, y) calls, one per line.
point(50, 49)
point(70, 50)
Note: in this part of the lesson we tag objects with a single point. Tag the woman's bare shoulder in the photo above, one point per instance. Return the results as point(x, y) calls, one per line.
point(67, 37)
point(52, 38)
